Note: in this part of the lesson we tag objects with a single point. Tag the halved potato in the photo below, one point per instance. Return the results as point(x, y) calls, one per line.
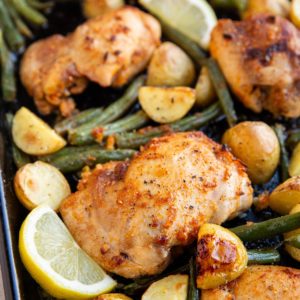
point(95, 8)
point(293, 251)
point(170, 66)
point(205, 91)
point(40, 183)
point(294, 167)
point(165, 105)
point(286, 196)
point(221, 256)
point(112, 297)
point(173, 287)
point(33, 136)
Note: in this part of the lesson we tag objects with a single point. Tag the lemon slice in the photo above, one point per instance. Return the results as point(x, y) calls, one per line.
point(295, 12)
point(194, 18)
point(55, 261)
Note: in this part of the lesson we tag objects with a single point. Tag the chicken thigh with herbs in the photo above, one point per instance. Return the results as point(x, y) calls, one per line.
point(50, 76)
point(110, 50)
point(260, 58)
point(129, 216)
point(259, 283)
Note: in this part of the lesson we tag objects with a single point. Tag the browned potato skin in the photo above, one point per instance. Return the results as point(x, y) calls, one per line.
point(259, 283)
point(170, 66)
point(257, 146)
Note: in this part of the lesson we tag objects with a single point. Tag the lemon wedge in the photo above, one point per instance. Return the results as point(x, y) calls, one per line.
point(55, 261)
point(194, 18)
point(295, 12)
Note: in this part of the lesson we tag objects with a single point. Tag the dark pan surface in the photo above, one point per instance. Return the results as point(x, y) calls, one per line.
point(18, 283)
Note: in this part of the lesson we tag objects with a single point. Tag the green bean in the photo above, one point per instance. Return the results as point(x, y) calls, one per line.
point(29, 13)
point(293, 138)
point(40, 5)
point(267, 229)
point(284, 157)
point(293, 241)
point(238, 5)
point(193, 293)
point(12, 35)
point(8, 81)
point(74, 161)
point(189, 46)
point(20, 158)
point(111, 113)
point(78, 120)
point(143, 283)
point(222, 91)
point(263, 256)
point(133, 140)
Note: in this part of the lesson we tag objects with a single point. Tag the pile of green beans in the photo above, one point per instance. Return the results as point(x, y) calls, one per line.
point(16, 18)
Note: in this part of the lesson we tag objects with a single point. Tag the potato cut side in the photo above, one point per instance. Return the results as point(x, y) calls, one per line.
point(112, 296)
point(96, 8)
point(41, 183)
point(286, 196)
point(294, 167)
point(165, 105)
point(173, 287)
point(33, 136)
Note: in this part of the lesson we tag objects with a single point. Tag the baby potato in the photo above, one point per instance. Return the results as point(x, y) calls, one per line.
point(173, 287)
point(293, 251)
point(170, 66)
point(286, 196)
point(294, 167)
point(221, 256)
point(40, 183)
point(274, 7)
point(95, 8)
point(205, 91)
point(33, 136)
point(257, 146)
point(165, 105)
point(112, 297)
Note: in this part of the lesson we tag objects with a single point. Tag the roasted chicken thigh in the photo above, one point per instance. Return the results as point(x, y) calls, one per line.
point(129, 216)
point(260, 58)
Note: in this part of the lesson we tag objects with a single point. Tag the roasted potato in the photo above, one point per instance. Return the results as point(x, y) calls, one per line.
point(173, 287)
point(294, 167)
point(170, 66)
point(221, 256)
point(205, 91)
point(293, 251)
point(274, 7)
point(286, 196)
point(33, 136)
point(95, 8)
point(40, 183)
point(112, 297)
point(165, 105)
point(257, 146)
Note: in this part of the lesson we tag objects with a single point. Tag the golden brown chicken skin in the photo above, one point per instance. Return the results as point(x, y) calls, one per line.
point(112, 48)
point(129, 216)
point(50, 76)
point(259, 283)
point(260, 58)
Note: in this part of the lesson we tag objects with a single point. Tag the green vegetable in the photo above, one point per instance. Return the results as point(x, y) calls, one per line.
point(284, 157)
point(267, 229)
point(8, 83)
point(40, 5)
point(293, 138)
point(238, 5)
point(110, 114)
point(221, 88)
point(28, 12)
point(193, 293)
point(128, 123)
point(293, 241)
point(78, 120)
point(263, 257)
point(136, 139)
point(189, 46)
point(74, 160)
